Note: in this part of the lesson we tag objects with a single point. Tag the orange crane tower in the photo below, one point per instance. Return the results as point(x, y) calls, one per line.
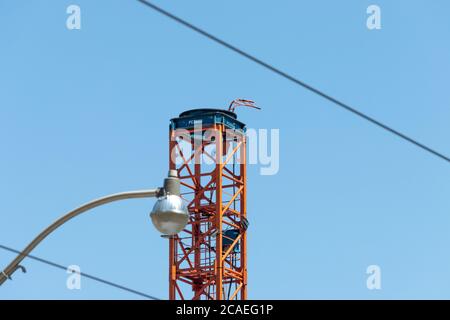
point(208, 259)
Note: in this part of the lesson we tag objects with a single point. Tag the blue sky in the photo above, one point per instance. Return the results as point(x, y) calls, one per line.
point(85, 113)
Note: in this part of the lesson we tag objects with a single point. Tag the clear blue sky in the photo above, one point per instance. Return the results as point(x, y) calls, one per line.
point(85, 113)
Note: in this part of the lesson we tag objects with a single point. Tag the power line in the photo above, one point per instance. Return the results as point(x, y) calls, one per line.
point(59, 266)
point(294, 80)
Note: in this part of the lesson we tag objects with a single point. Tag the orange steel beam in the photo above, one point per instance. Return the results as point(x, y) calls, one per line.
point(243, 202)
point(219, 239)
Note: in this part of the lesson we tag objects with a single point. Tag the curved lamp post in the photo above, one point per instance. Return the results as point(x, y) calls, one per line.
point(169, 216)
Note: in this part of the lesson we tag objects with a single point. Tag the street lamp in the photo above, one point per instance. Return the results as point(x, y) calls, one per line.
point(169, 216)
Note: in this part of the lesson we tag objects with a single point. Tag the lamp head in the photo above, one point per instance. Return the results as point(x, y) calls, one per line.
point(169, 214)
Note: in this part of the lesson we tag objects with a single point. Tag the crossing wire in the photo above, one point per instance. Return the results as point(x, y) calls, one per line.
point(95, 278)
point(295, 80)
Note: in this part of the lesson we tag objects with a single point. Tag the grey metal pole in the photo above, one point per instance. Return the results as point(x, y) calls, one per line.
point(14, 265)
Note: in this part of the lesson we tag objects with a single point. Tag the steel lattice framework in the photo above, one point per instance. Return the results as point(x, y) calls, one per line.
point(207, 260)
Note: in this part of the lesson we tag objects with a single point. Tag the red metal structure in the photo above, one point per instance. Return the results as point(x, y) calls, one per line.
point(208, 259)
